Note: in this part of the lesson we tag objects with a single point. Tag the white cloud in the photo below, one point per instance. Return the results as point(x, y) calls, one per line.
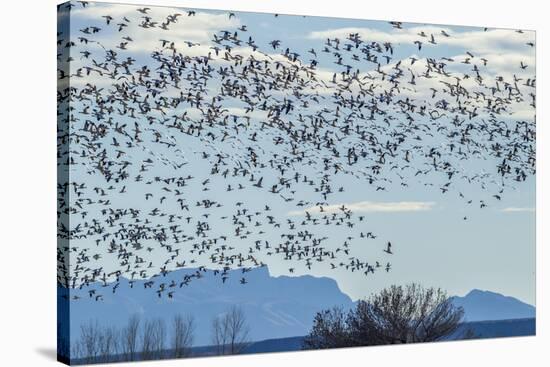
point(494, 40)
point(408, 35)
point(497, 52)
point(517, 210)
point(198, 28)
point(370, 207)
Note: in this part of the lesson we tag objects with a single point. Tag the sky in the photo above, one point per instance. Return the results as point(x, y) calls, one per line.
point(493, 249)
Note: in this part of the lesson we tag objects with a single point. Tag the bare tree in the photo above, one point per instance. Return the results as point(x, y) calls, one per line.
point(108, 343)
point(96, 344)
point(152, 339)
point(160, 338)
point(88, 345)
point(230, 332)
point(409, 314)
point(182, 337)
point(219, 334)
point(238, 330)
point(129, 338)
point(396, 315)
point(77, 351)
point(329, 330)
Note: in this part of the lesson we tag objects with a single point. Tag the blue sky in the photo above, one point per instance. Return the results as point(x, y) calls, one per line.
point(494, 249)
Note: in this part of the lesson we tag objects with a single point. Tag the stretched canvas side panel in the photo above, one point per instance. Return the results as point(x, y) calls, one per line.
point(63, 182)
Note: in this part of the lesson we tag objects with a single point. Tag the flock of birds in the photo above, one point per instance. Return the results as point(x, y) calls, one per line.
point(178, 158)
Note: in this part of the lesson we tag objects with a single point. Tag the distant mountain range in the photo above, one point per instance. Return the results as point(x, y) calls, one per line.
point(275, 307)
point(484, 305)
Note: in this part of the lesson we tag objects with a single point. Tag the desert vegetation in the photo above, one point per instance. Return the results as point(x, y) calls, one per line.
point(395, 315)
